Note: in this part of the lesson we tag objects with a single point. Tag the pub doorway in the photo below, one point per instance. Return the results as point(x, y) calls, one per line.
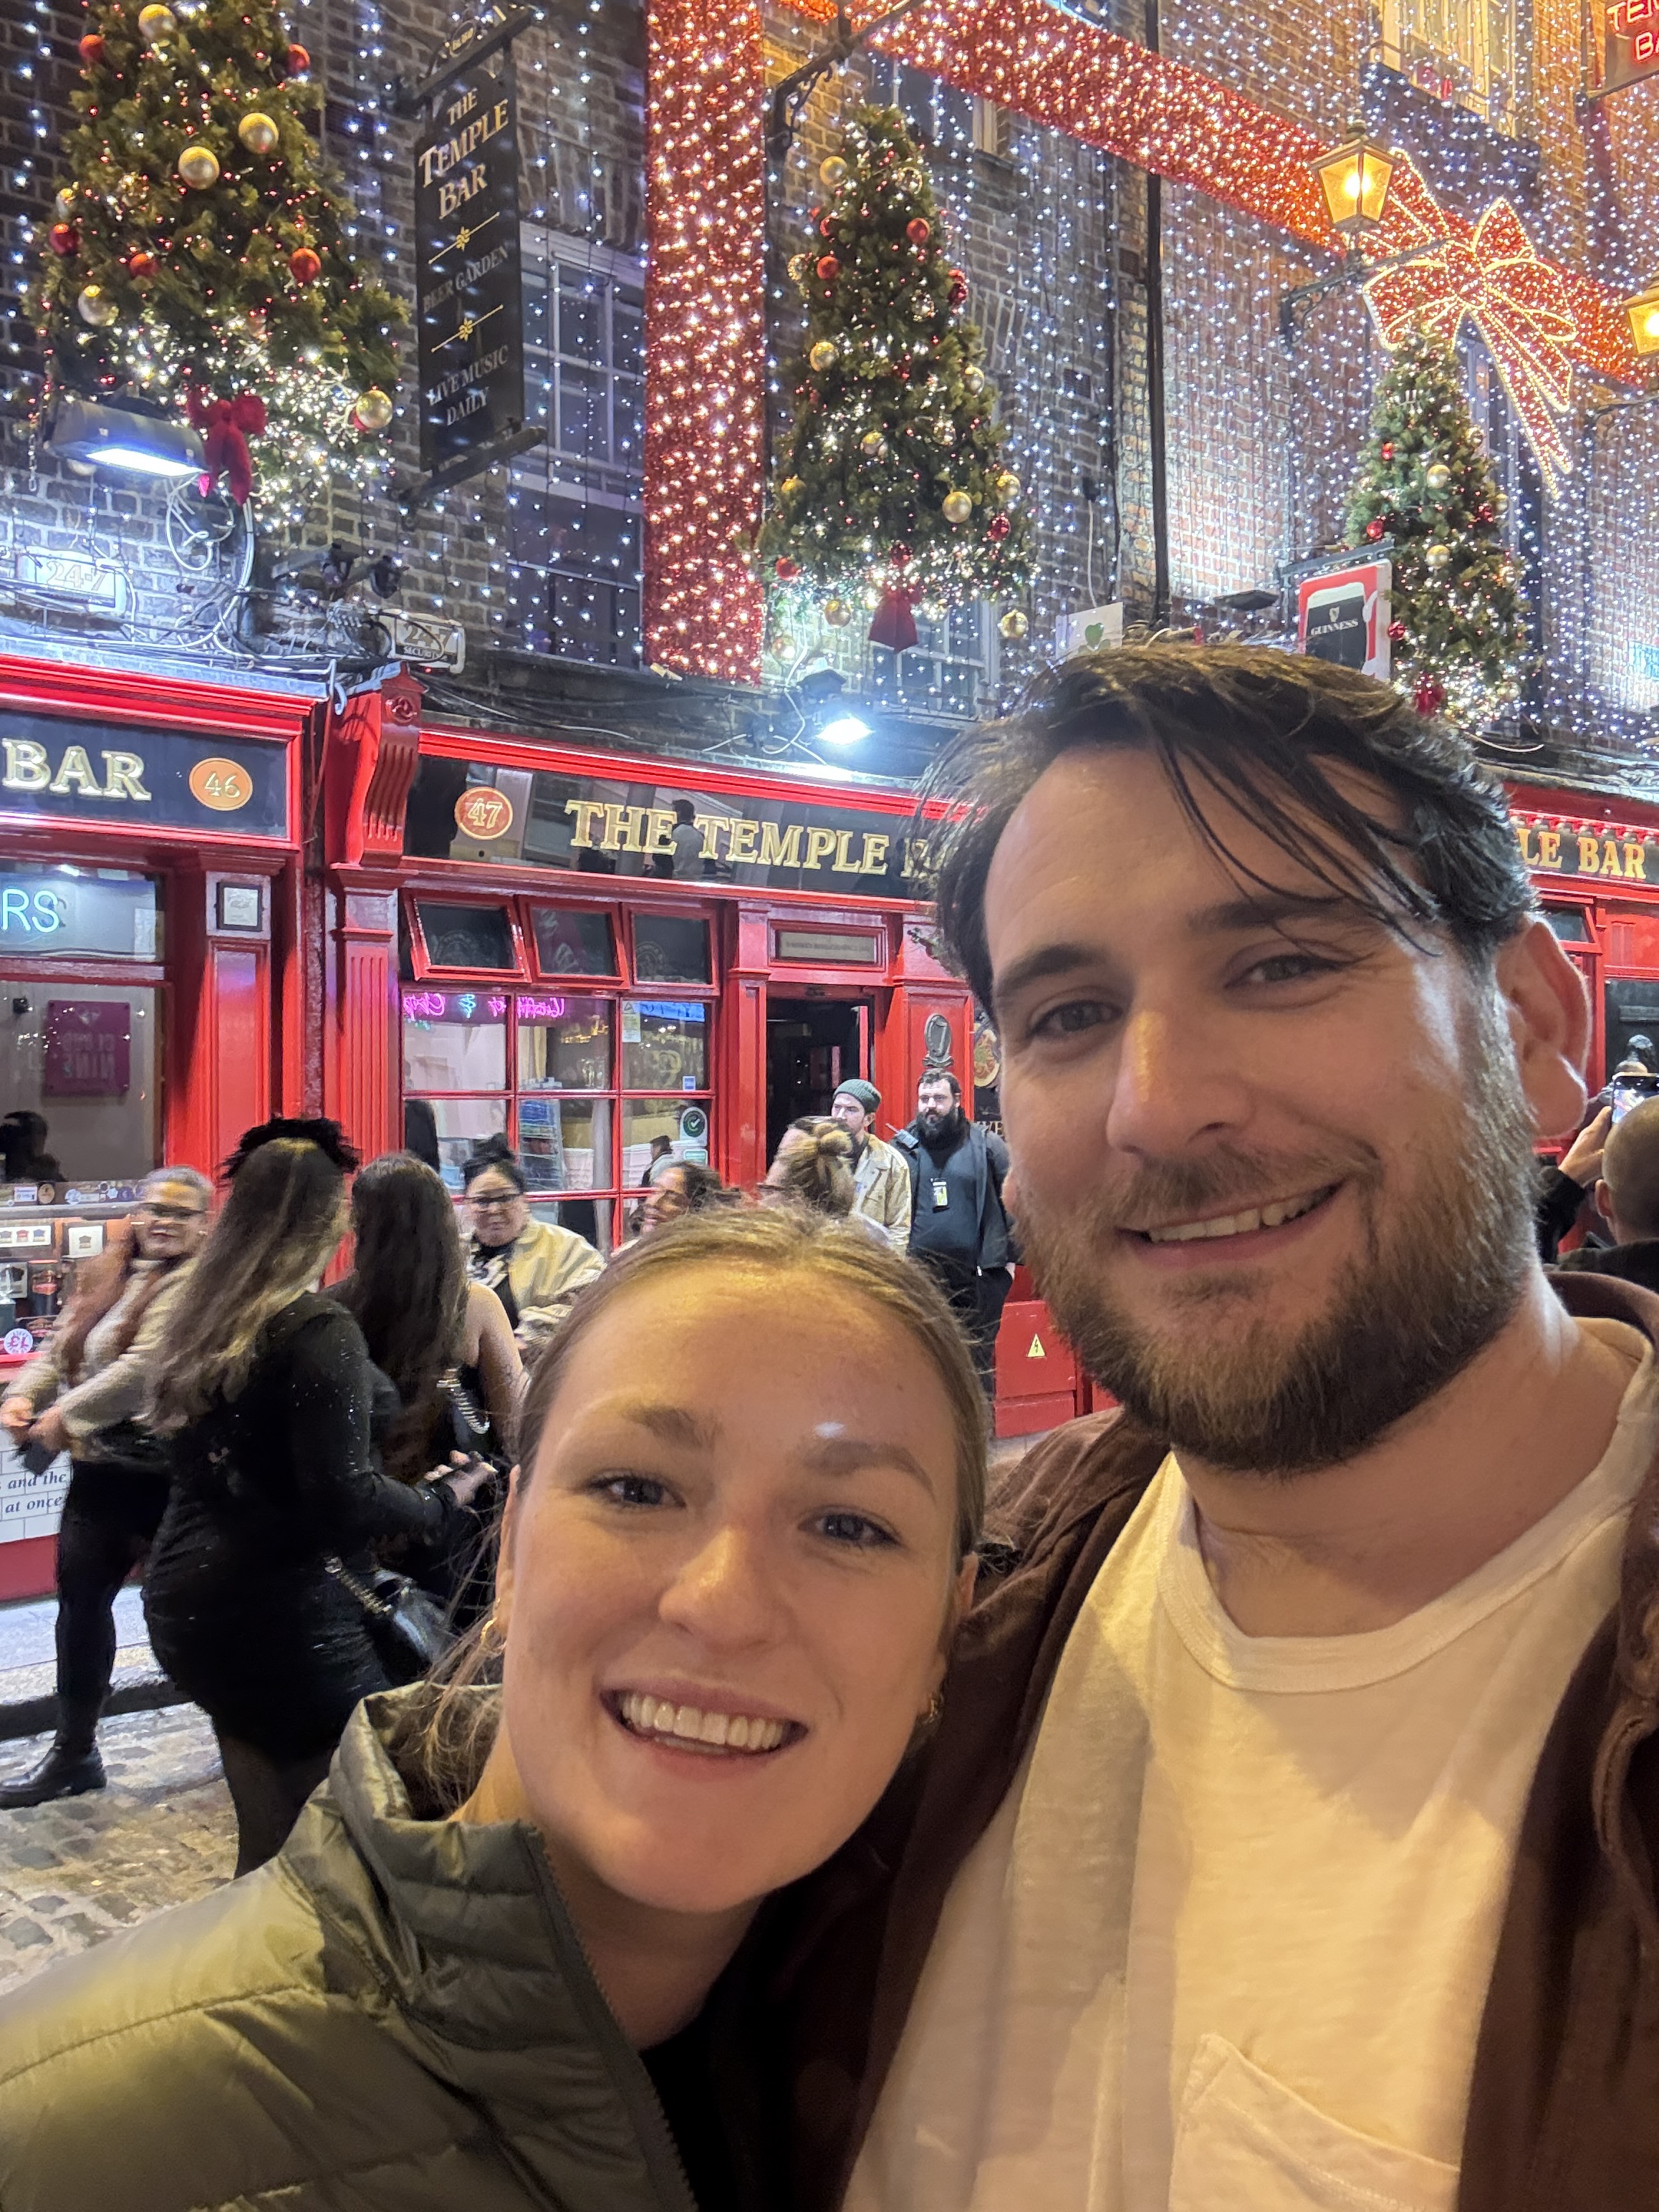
point(812, 1047)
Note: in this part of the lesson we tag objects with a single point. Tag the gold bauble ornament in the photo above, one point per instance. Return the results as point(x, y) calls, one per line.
point(94, 305)
point(1437, 475)
point(1014, 625)
point(199, 167)
point(782, 646)
point(1436, 556)
point(792, 487)
point(257, 132)
point(798, 267)
point(1007, 485)
point(957, 506)
point(874, 446)
point(974, 379)
point(63, 206)
point(833, 174)
point(824, 355)
point(156, 23)
point(373, 410)
point(837, 613)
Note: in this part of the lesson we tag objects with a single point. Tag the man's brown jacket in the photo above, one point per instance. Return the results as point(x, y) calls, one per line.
point(1564, 2112)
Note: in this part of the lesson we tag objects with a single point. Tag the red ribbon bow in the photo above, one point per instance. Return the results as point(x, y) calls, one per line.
point(894, 625)
point(1488, 270)
point(226, 426)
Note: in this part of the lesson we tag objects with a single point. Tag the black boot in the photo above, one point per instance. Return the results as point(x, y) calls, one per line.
point(70, 1769)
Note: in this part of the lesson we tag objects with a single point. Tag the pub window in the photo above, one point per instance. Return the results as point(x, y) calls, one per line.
point(1631, 1009)
point(1570, 923)
point(592, 1085)
point(469, 937)
point(946, 672)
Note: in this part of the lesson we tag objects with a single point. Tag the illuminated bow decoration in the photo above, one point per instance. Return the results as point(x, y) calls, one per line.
point(226, 426)
point(1489, 272)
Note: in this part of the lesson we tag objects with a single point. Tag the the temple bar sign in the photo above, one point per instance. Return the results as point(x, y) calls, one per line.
point(1572, 850)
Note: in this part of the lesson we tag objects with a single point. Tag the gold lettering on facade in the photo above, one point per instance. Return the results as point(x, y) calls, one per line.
point(27, 767)
point(123, 777)
point(740, 842)
point(780, 848)
point(586, 811)
point(1549, 848)
point(1524, 838)
point(845, 864)
point(1590, 857)
point(820, 843)
point(659, 829)
point(1636, 864)
point(76, 773)
point(873, 861)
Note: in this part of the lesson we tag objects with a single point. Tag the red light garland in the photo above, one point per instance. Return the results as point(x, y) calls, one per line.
point(706, 206)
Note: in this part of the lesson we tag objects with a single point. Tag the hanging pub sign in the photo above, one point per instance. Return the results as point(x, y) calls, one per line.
point(469, 306)
point(1630, 45)
point(1344, 615)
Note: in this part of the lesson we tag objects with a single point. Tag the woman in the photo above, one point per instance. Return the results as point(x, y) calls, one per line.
point(266, 1391)
point(82, 1395)
point(726, 1592)
point(681, 1187)
point(534, 1267)
point(813, 1166)
point(443, 1343)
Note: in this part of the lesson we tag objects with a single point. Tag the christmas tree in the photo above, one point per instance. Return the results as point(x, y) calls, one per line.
point(1459, 627)
point(199, 257)
point(894, 489)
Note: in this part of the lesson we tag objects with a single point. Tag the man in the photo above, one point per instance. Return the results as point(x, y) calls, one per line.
point(1626, 1196)
point(958, 1229)
point(1288, 1837)
point(881, 1177)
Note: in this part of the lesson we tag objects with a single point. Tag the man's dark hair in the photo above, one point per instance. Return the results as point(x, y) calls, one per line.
point(939, 1075)
point(1261, 731)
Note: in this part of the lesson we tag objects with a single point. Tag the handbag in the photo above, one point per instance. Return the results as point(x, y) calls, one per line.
point(406, 1626)
point(470, 1423)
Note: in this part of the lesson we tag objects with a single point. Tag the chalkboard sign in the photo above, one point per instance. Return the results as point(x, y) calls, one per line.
point(469, 309)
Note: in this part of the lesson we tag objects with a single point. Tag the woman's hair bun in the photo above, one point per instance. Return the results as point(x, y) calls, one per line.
point(330, 1138)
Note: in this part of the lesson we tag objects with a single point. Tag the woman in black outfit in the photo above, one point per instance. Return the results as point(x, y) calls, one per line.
point(447, 1346)
point(265, 1388)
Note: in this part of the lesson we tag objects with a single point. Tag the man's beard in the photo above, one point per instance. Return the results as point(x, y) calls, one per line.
point(1441, 1272)
point(934, 1127)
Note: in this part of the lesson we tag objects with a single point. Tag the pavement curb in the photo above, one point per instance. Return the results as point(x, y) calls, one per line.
point(144, 1693)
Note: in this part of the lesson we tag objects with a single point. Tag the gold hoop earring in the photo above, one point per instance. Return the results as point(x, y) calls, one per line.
point(935, 1712)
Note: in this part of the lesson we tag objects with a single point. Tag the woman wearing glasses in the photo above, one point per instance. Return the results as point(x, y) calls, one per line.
point(82, 1395)
point(534, 1267)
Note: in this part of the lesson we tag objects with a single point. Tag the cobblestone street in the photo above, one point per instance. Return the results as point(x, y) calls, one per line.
point(161, 1834)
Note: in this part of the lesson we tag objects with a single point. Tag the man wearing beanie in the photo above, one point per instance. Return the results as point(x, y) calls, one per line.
point(881, 1180)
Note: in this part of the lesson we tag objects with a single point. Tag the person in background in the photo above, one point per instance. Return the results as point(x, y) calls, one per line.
point(23, 1149)
point(813, 1166)
point(83, 1394)
point(1626, 1194)
point(264, 1388)
point(881, 1177)
point(680, 1187)
point(480, 1974)
point(421, 1133)
point(445, 1345)
point(959, 1229)
point(534, 1267)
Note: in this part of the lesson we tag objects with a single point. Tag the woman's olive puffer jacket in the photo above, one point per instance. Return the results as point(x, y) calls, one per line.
point(393, 2016)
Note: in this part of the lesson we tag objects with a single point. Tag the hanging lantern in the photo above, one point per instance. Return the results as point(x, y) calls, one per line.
point(1644, 313)
point(1355, 178)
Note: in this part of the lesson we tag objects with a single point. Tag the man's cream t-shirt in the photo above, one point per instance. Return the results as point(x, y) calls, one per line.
point(1226, 1946)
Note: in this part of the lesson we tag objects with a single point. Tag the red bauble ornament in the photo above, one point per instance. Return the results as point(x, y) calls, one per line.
point(785, 570)
point(1397, 632)
point(828, 268)
point(1375, 528)
point(143, 263)
point(299, 61)
point(91, 49)
point(826, 229)
point(1429, 697)
point(1486, 513)
point(1386, 449)
point(64, 238)
point(997, 527)
point(304, 266)
point(958, 287)
point(918, 232)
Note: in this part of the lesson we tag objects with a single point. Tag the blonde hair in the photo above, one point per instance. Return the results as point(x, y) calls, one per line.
point(451, 1730)
point(817, 1167)
point(282, 1223)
